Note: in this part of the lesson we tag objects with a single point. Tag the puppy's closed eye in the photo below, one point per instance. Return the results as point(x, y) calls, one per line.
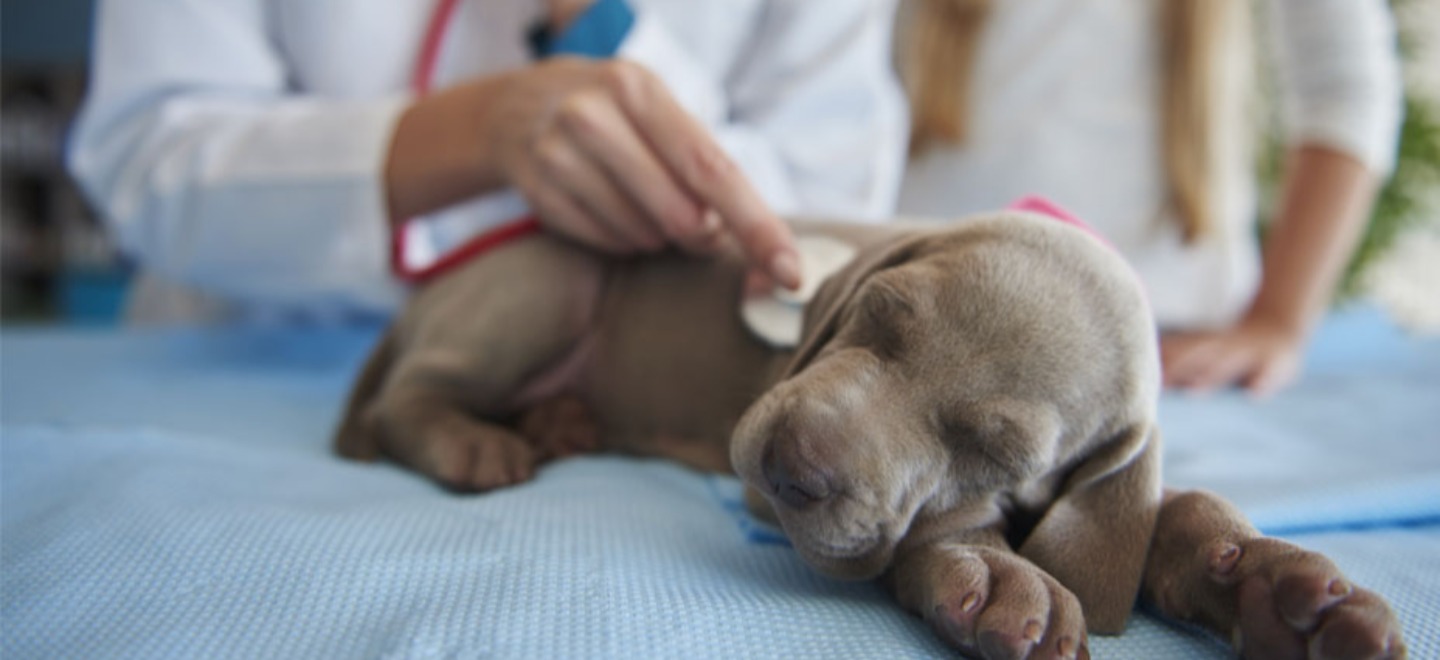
point(991, 444)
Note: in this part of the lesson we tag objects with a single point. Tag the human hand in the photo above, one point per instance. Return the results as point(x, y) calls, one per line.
point(608, 157)
point(1261, 356)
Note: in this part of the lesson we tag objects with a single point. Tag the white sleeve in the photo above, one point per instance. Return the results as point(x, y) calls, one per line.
point(1339, 76)
point(812, 112)
point(213, 174)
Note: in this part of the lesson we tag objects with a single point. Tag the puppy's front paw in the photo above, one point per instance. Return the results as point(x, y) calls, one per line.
point(1292, 603)
point(995, 605)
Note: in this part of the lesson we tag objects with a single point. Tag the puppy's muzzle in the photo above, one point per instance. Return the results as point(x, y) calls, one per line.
point(792, 479)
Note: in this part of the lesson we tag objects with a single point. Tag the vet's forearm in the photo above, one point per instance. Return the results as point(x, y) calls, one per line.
point(436, 155)
point(1325, 203)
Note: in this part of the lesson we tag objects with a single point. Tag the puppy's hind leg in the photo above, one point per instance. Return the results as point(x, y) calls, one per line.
point(1271, 599)
point(354, 439)
point(426, 431)
point(462, 452)
point(477, 347)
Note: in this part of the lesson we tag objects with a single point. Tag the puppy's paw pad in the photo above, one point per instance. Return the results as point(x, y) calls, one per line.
point(995, 605)
point(996, 645)
point(1292, 602)
point(1303, 596)
point(960, 611)
point(1067, 648)
point(1362, 626)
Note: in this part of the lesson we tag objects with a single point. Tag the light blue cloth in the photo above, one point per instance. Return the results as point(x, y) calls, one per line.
point(1357, 442)
point(171, 494)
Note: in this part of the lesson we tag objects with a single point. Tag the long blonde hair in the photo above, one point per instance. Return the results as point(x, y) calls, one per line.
point(936, 56)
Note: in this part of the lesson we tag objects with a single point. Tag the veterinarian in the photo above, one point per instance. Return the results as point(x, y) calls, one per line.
point(1136, 116)
point(299, 155)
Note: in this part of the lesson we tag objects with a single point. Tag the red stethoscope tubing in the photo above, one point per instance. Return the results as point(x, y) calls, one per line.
point(421, 84)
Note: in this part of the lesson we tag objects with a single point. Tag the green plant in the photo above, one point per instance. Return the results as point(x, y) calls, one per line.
point(1407, 197)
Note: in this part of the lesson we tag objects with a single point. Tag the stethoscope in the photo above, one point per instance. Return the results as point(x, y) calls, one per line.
point(421, 83)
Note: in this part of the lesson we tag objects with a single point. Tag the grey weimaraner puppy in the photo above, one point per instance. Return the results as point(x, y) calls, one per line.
point(969, 416)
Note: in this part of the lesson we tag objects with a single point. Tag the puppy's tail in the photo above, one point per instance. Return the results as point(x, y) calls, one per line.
point(355, 439)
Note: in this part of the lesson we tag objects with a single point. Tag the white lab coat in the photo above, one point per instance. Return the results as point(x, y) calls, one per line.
point(237, 146)
point(1066, 106)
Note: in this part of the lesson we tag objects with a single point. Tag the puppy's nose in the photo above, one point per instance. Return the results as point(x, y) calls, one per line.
point(793, 479)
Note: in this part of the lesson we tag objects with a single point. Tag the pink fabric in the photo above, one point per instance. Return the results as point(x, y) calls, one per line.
point(1037, 204)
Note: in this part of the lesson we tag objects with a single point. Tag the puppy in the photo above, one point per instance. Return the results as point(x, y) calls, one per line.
point(968, 416)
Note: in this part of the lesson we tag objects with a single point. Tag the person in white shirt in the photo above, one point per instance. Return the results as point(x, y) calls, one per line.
point(265, 151)
point(1134, 116)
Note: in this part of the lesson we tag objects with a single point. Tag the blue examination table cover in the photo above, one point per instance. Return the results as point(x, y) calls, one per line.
point(172, 494)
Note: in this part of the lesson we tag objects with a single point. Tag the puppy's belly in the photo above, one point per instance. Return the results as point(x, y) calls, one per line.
point(667, 367)
point(642, 427)
point(560, 379)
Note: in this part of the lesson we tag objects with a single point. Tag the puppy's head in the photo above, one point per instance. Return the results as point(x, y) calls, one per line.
point(950, 379)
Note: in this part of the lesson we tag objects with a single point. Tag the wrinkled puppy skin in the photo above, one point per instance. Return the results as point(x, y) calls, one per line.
point(969, 418)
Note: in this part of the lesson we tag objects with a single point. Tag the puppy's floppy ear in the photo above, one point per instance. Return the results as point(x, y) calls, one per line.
point(1095, 535)
point(823, 312)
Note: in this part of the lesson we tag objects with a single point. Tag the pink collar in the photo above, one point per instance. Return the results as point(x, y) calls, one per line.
point(1038, 204)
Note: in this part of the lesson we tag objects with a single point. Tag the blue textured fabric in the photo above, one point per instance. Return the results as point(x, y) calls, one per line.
point(1355, 443)
point(171, 494)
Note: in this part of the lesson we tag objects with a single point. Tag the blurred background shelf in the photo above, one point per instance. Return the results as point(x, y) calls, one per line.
point(56, 262)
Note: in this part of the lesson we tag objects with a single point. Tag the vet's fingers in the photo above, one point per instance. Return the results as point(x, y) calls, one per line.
point(712, 232)
point(758, 283)
point(709, 175)
point(567, 217)
point(563, 165)
point(765, 239)
point(606, 134)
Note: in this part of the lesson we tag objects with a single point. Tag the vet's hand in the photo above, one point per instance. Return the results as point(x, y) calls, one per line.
point(608, 157)
point(1262, 357)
